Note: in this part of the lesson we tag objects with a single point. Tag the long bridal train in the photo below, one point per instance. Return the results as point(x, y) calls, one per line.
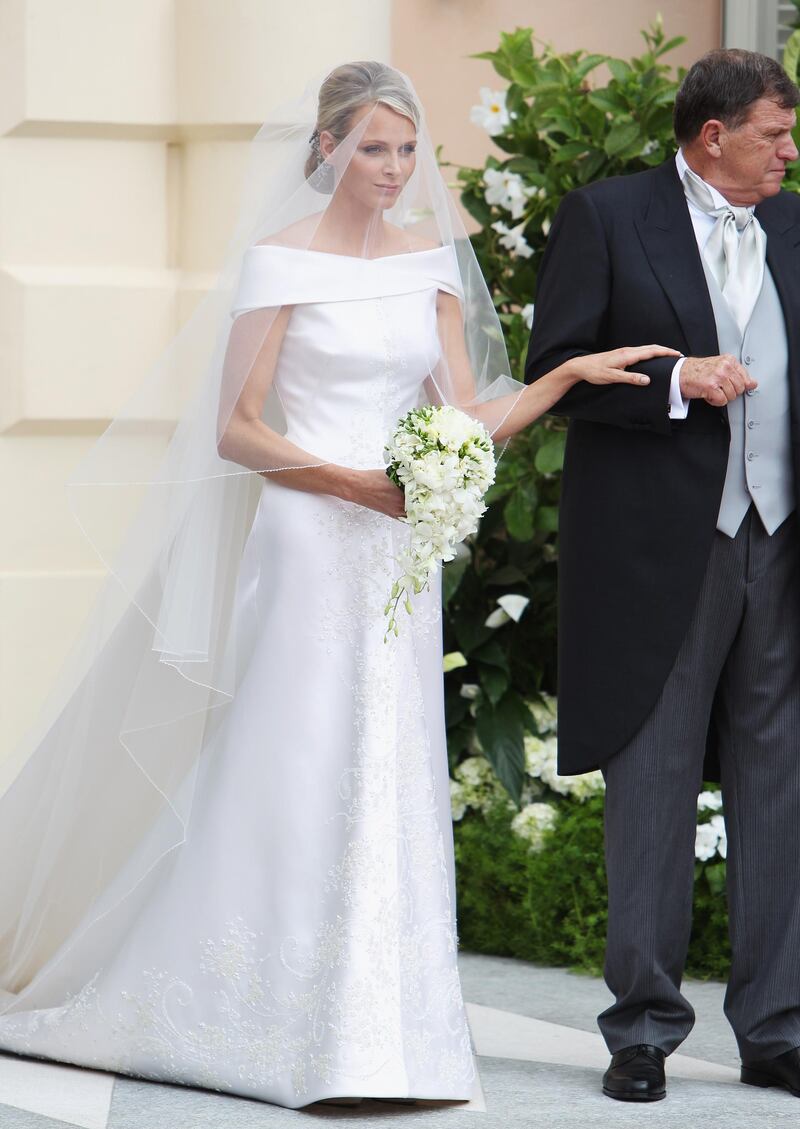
point(295, 939)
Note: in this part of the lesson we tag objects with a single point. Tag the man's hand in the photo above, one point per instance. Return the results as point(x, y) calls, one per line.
point(717, 380)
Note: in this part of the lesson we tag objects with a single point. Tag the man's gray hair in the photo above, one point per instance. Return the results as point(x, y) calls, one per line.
point(723, 85)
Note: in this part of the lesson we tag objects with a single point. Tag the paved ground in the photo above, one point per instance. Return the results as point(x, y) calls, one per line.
point(539, 1056)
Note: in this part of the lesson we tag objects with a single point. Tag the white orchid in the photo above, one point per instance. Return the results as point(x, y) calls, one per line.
point(513, 239)
point(507, 190)
point(491, 114)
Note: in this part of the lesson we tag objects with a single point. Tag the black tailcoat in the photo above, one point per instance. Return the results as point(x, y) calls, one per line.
point(641, 492)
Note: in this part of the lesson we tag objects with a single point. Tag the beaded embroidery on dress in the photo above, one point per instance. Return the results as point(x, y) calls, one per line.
point(300, 944)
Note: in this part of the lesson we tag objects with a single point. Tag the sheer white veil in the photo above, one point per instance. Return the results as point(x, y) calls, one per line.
point(107, 773)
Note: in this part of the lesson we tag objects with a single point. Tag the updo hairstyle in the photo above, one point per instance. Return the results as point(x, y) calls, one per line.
point(346, 90)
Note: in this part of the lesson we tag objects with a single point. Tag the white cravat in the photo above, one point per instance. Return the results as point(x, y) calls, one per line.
point(735, 251)
point(703, 223)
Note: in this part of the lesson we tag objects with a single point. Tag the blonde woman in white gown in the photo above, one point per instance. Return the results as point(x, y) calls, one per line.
point(238, 874)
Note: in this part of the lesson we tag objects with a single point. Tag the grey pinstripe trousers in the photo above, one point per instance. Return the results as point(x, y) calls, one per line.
point(740, 661)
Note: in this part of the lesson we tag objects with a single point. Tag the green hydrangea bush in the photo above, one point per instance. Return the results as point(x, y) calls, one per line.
point(531, 878)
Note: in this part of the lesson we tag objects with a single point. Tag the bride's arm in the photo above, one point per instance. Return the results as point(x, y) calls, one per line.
point(507, 415)
point(254, 346)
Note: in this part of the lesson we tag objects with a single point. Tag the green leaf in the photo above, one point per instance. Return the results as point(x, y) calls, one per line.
point(570, 150)
point(470, 631)
point(452, 575)
point(547, 519)
point(621, 136)
point(715, 876)
point(492, 654)
point(588, 64)
point(791, 56)
point(550, 456)
point(609, 101)
point(501, 731)
point(508, 574)
point(452, 661)
point(620, 69)
point(494, 683)
point(591, 165)
point(518, 515)
point(670, 45)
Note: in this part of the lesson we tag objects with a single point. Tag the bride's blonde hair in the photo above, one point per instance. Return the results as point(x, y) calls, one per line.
point(347, 89)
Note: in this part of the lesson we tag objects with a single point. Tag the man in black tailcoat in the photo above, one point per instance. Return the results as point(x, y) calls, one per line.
point(679, 570)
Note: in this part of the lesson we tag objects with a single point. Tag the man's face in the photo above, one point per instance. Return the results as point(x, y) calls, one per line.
point(754, 156)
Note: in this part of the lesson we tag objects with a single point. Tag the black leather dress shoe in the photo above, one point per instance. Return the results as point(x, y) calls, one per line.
point(783, 1071)
point(636, 1074)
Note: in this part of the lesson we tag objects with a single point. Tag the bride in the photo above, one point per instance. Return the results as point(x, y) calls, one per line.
point(232, 855)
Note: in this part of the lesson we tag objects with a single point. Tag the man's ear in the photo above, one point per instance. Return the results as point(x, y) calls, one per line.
point(712, 138)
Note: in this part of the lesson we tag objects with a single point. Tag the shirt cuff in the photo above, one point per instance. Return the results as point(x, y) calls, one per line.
point(678, 407)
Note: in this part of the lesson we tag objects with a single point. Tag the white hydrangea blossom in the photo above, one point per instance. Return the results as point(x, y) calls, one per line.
point(492, 114)
point(541, 764)
point(711, 839)
point(458, 800)
point(475, 787)
point(444, 462)
point(718, 822)
point(545, 713)
point(507, 190)
point(532, 822)
point(513, 240)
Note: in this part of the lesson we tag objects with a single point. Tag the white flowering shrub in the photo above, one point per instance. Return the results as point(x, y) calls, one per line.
point(554, 125)
point(476, 788)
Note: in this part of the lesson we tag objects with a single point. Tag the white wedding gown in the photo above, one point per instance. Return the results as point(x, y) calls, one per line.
point(301, 943)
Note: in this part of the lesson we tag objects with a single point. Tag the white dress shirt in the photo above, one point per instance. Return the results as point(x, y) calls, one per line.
point(703, 225)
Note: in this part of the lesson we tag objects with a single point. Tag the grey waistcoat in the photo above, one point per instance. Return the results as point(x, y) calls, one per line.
point(759, 461)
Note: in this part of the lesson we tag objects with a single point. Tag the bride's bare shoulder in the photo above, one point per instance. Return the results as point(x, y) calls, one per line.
point(297, 235)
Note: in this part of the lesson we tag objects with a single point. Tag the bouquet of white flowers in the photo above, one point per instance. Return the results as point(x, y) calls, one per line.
point(444, 461)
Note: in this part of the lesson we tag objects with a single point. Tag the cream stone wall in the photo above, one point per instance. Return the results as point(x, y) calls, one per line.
point(123, 128)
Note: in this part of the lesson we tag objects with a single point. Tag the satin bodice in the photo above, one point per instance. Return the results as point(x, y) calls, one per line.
point(360, 343)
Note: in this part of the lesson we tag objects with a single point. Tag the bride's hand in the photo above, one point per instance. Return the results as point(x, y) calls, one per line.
point(611, 367)
point(373, 489)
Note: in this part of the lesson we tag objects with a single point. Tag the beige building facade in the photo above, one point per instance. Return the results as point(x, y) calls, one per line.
point(123, 129)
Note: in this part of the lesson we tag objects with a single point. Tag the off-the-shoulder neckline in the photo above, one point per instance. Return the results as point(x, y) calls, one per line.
point(353, 258)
